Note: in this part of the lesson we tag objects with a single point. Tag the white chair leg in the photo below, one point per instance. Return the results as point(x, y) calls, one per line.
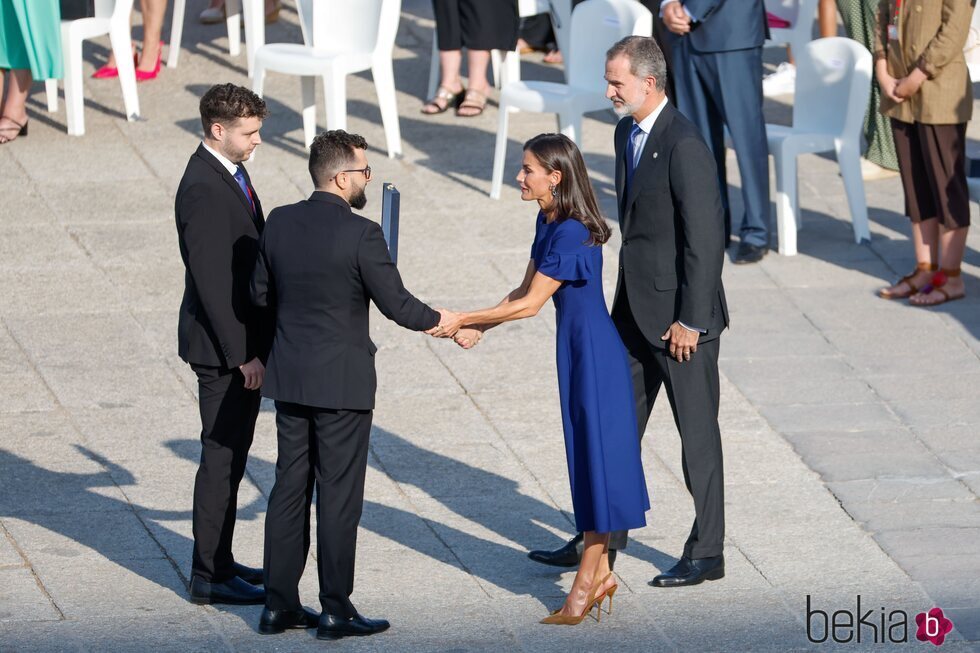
point(176, 33)
point(254, 30)
point(233, 9)
point(122, 48)
point(433, 68)
point(499, 151)
point(384, 84)
point(570, 124)
point(74, 92)
point(335, 94)
point(308, 90)
point(496, 64)
point(849, 159)
point(51, 91)
point(258, 80)
point(786, 207)
point(510, 70)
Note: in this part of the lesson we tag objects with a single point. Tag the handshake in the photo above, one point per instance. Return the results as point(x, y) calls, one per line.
point(451, 325)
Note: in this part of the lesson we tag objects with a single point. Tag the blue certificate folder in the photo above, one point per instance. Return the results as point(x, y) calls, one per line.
point(390, 208)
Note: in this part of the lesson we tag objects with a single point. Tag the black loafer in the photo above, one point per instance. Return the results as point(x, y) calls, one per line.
point(749, 253)
point(234, 591)
point(274, 622)
point(568, 555)
point(248, 574)
point(334, 627)
point(690, 571)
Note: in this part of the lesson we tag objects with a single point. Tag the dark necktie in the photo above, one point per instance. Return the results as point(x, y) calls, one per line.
point(630, 158)
point(240, 178)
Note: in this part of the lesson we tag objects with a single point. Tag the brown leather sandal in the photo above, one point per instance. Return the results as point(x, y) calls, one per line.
point(886, 293)
point(937, 285)
point(448, 98)
point(473, 104)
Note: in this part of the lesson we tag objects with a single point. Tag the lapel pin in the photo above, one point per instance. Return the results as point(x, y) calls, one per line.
point(654, 155)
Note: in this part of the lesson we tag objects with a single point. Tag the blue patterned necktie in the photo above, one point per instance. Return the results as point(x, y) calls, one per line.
point(240, 178)
point(631, 157)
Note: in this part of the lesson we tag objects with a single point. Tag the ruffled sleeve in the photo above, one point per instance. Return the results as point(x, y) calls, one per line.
point(570, 257)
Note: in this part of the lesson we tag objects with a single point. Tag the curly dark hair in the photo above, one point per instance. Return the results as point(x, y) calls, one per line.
point(226, 103)
point(331, 152)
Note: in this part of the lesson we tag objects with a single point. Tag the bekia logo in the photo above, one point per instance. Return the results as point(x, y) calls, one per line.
point(879, 626)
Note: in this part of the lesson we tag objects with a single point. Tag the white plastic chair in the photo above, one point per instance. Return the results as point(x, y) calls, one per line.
point(112, 18)
point(973, 55)
point(974, 185)
point(800, 31)
point(832, 89)
point(344, 41)
point(595, 26)
point(251, 11)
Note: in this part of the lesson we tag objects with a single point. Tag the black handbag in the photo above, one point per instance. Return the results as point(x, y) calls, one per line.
point(75, 9)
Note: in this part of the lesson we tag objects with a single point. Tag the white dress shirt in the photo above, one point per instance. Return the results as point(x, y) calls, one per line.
point(229, 166)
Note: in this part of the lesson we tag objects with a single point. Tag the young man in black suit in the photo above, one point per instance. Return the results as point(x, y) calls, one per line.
point(670, 305)
point(319, 266)
point(220, 334)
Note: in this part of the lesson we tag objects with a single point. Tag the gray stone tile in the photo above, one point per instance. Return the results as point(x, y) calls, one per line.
point(829, 417)
point(21, 599)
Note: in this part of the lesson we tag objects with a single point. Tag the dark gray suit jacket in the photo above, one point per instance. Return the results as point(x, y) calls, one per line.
point(319, 265)
point(673, 230)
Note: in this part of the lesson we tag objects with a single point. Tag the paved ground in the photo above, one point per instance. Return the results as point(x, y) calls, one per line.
point(850, 423)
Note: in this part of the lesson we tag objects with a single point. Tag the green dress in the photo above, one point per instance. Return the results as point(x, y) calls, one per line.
point(30, 37)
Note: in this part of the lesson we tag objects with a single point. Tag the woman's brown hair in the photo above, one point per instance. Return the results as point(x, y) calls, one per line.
point(574, 196)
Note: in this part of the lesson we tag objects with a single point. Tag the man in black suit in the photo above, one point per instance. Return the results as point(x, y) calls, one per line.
point(220, 334)
point(670, 304)
point(319, 266)
point(717, 68)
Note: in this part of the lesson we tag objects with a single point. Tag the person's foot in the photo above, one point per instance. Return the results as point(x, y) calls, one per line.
point(945, 286)
point(334, 627)
point(149, 60)
point(523, 47)
point(781, 82)
point(272, 8)
point(474, 102)
point(274, 622)
point(234, 591)
point(909, 284)
point(250, 575)
point(691, 571)
point(748, 253)
point(554, 57)
point(871, 171)
point(12, 127)
point(444, 98)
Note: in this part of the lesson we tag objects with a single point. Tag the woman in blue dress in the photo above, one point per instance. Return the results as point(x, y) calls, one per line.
point(598, 415)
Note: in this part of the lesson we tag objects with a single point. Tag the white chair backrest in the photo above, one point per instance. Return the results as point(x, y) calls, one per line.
point(833, 82)
point(596, 26)
point(113, 9)
point(305, 10)
point(367, 26)
point(531, 7)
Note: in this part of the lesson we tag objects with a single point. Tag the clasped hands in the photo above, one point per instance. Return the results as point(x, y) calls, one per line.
point(675, 18)
point(451, 326)
point(898, 90)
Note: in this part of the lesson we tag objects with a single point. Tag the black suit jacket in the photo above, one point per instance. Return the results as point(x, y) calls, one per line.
point(319, 265)
point(673, 230)
point(218, 237)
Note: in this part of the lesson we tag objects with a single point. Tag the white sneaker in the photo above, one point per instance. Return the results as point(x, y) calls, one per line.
point(781, 82)
point(871, 171)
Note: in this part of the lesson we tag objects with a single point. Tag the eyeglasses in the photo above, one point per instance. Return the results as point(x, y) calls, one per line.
point(366, 171)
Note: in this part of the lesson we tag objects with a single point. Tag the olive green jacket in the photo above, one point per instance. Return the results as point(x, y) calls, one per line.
point(931, 36)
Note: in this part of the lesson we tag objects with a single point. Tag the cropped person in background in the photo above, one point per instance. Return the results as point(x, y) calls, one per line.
point(148, 61)
point(215, 12)
point(30, 48)
point(926, 92)
point(783, 81)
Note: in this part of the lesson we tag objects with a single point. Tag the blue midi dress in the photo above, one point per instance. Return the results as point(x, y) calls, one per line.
point(609, 491)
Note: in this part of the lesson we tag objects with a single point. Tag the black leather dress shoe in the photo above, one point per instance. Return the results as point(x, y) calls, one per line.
point(749, 253)
point(690, 571)
point(334, 627)
point(274, 622)
point(248, 574)
point(234, 591)
point(568, 555)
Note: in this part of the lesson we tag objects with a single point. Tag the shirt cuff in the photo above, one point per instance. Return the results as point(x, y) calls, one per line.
point(695, 329)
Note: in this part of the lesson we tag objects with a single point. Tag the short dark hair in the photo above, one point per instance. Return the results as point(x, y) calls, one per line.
point(646, 58)
point(331, 152)
point(226, 103)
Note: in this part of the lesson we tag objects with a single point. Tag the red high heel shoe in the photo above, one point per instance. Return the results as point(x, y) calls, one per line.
point(108, 72)
point(146, 75)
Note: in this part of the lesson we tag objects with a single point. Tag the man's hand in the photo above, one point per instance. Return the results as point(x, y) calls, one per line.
point(254, 372)
point(682, 341)
point(676, 19)
point(468, 338)
point(449, 324)
point(910, 84)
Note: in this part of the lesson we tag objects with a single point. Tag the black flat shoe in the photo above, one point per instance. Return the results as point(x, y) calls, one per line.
point(749, 253)
point(248, 574)
point(234, 591)
point(274, 622)
point(690, 571)
point(334, 627)
point(568, 555)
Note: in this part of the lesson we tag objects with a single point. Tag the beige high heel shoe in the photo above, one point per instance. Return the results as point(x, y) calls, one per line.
point(556, 619)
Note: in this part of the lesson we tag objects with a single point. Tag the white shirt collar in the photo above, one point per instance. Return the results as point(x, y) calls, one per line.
point(647, 123)
point(229, 166)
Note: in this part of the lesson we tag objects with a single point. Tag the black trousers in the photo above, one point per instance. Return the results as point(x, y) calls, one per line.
point(693, 391)
point(228, 413)
point(330, 447)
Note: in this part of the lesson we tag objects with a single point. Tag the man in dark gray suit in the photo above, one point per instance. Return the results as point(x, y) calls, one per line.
point(319, 266)
point(717, 68)
point(670, 304)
